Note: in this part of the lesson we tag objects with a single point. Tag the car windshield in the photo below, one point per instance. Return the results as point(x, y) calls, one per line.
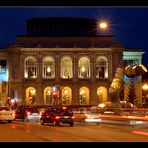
point(4, 108)
point(65, 112)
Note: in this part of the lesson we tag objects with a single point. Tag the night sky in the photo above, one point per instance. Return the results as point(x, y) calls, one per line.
point(128, 24)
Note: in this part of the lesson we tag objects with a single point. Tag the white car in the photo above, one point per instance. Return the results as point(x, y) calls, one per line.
point(6, 114)
point(92, 115)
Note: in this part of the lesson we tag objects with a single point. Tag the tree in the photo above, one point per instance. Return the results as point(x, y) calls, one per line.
point(132, 98)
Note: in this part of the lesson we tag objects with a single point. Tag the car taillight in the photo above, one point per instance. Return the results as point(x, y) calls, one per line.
point(85, 116)
point(28, 113)
point(57, 117)
point(72, 117)
point(64, 107)
point(13, 114)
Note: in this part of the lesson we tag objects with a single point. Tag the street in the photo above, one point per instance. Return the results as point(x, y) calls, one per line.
point(20, 131)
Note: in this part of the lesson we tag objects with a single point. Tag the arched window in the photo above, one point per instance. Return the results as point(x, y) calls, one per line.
point(48, 99)
point(48, 67)
point(66, 96)
point(102, 94)
point(66, 68)
point(30, 96)
point(30, 68)
point(84, 96)
point(101, 68)
point(84, 67)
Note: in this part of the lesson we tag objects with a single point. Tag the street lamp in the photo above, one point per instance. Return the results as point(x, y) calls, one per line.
point(102, 27)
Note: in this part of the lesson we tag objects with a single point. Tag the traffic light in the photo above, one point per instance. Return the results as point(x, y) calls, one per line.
point(54, 93)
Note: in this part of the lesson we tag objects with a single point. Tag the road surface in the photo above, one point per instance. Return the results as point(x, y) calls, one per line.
point(20, 131)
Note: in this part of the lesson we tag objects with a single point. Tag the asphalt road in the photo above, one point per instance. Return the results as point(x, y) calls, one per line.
point(19, 131)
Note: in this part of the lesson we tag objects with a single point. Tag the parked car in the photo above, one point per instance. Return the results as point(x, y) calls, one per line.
point(6, 114)
point(27, 113)
point(58, 116)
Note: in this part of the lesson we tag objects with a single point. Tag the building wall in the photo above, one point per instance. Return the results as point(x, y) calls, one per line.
point(20, 84)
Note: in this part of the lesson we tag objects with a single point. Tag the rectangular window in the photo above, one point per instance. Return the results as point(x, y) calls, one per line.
point(3, 67)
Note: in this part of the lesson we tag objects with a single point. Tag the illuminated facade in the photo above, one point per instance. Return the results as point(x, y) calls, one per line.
point(61, 65)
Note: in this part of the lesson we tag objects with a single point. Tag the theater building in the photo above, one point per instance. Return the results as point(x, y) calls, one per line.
point(61, 61)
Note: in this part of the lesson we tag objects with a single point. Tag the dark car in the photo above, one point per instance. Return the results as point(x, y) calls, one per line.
point(58, 116)
point(27, 113)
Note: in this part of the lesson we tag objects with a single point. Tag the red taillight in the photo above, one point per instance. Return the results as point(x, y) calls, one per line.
point(13, 114)
point(57, 117)
point(28, 113)
point(64, 107)
point(72, 117)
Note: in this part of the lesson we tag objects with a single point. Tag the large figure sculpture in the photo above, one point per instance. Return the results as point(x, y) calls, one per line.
point(122, 70)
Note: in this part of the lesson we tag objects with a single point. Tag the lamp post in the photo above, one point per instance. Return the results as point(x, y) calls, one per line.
point(103, 27)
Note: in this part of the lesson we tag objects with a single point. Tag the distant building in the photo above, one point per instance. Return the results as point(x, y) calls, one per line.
point(62, 61)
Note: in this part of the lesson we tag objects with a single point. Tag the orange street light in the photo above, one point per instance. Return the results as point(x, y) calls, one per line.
point(103, 25)
point(145, 87)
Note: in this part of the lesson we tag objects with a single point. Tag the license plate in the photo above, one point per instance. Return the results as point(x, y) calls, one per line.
point(65, 117)
point(34, 114)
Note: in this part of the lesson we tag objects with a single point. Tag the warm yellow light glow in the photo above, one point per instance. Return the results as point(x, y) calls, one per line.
point(65, 91)
point(83, 69)
point(32, 91)
point(48, 69)
point(48, 91)
point(103, 25)
point(82, 92)
point(99, 91)
point(101, 105)
point(145, 87)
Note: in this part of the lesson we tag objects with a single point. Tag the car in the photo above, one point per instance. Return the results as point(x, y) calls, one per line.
point(58, 116)
point(79, 114)
point(6, 114)
point(92, 116)
point(27, 113)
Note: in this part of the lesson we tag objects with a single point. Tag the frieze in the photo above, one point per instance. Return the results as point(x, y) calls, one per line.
point(64, 49)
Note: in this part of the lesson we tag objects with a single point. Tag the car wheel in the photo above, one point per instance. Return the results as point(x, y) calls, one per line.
point(42, 121)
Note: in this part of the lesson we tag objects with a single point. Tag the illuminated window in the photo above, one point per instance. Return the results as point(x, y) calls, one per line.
point(101, 68)
point(66, 68)
point(84, 67)
point(48, 96)
point(30, 96)
point(48, 67)
point(3, 70)
point(66, 96)
point(30, 68)
point(84, 96)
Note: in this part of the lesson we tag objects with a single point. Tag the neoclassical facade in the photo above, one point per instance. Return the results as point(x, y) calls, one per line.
point(42, 69)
